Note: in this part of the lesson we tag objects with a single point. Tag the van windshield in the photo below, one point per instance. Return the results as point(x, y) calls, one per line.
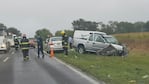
point(1, 39)
point(9, 37)
point(111, 39)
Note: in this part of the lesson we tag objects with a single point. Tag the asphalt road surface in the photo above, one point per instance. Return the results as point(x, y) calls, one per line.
point(13, 70)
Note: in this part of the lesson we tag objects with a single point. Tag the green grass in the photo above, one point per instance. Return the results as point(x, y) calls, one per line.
point(112, 69)
point(132, 69)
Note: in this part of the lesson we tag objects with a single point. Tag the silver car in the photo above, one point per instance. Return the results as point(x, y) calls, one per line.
point(55, 43)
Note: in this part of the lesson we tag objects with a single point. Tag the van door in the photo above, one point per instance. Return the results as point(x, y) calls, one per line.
point(99, 42)
point(89, 43)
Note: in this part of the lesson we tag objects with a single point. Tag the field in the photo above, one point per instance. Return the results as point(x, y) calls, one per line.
point(131, 69)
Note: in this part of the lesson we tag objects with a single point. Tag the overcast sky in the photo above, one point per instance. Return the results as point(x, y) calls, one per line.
point(31, 15)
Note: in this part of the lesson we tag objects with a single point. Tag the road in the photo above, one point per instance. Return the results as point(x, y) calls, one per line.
point(13, 70)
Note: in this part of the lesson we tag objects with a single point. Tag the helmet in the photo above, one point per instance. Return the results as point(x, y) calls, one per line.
point(62, 32)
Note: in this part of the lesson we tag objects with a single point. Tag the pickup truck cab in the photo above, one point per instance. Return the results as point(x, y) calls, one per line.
point(94, 41)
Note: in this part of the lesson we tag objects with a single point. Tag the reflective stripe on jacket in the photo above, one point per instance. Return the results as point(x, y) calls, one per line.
point(65, 41)
point(24, 44)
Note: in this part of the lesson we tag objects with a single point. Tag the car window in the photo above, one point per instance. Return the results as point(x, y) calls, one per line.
point(56, 39)
point(98, 38)
point(91, 37)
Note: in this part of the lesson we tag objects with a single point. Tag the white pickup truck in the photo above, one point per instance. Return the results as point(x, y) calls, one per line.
point(99, 42)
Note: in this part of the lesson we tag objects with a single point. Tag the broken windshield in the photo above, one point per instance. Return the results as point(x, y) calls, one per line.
point(111, 39)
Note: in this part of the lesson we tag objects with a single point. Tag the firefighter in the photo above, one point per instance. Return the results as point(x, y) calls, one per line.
point(25, 47)
point(64, 42)
point(16, 43)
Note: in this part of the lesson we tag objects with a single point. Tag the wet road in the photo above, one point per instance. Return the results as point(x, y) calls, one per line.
point(13, 70)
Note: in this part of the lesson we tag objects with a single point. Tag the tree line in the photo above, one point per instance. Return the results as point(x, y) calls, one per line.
point(11, 30)
point(112, 27)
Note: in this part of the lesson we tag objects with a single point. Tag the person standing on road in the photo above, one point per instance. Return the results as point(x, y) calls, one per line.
point(24, 44)
point(70, 40)
point(16, 43)
point(40, 46)
point(64, 42)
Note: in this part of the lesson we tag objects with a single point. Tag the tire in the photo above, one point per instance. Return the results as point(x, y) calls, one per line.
point(5, 51)
point(81, 49)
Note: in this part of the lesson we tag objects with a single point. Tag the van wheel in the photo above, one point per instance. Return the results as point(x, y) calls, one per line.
point(81, 49)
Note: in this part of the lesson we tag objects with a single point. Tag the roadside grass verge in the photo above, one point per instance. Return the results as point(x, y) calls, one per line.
point(132, 69)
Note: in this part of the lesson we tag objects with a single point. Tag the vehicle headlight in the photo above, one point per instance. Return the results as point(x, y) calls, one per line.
point(3, 45)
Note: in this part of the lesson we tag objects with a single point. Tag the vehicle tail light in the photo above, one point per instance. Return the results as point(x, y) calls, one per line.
point(51, 43)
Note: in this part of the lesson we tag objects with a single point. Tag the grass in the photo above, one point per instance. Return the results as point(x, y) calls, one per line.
point(111, 69)
point(132, 69)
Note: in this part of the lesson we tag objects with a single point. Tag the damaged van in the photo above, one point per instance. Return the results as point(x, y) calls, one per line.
point(98, 42)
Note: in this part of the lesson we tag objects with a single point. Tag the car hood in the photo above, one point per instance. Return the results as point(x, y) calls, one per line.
point(118, 47)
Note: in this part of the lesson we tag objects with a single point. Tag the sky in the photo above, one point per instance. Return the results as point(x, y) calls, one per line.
point(28, 16)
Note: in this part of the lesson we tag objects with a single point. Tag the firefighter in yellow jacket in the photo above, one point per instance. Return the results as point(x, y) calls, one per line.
point(65, 42)
point(25, 47)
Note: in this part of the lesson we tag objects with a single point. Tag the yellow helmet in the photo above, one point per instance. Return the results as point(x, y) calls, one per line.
point(63, 32)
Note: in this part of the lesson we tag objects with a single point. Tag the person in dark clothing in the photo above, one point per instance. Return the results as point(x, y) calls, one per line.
point(24, 44)
point(65, 42)
point(40, 46)
point(16, 42)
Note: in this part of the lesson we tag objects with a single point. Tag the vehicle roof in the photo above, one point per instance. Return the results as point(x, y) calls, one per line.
point(107, 36)
point(81, 33)
point(90, 31)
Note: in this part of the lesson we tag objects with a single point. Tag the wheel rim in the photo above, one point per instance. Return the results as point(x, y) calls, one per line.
point(81, 50)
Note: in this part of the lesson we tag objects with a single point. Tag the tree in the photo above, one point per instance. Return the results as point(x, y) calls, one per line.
point(44, 33)
point(139, 26)
point(14, 31)
point(84, 25)
point(146, 26)
point(109, 28)
point(68, 32)
point(58, 33)
point(2, 27)
point(125, 27)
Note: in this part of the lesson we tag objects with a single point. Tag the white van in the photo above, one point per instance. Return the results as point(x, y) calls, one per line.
point(4, 44)
point(11, 40)
point(99, 42)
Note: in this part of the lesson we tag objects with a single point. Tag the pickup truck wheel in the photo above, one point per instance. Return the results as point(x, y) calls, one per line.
point(81, 49)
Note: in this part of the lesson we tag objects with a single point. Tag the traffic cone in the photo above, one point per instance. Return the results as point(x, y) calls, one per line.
point(51, 53)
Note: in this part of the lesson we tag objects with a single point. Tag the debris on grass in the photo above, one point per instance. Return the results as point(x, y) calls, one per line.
point(109, 76)
point(132, 81)
point(145, 76)
point(76, 57)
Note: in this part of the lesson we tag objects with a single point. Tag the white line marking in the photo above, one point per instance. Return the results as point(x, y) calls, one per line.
point(81, 74)
point(5, 59)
